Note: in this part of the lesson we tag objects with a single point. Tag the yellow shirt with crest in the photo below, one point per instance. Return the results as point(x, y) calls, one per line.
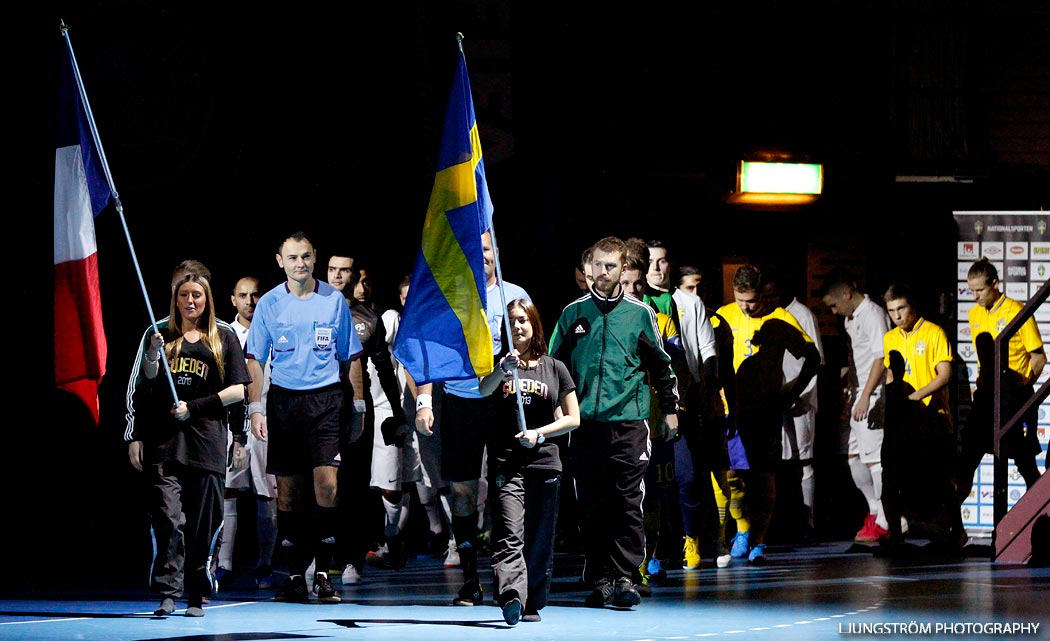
point(994, 320)
point(923, 348)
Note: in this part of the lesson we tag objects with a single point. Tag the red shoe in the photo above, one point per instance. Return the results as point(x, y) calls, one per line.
point(869, 531)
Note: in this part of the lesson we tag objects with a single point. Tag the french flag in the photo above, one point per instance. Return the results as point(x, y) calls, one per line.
point(81, 193)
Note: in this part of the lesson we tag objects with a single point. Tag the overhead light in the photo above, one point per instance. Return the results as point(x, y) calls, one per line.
point(966, 180)
point(778, 183)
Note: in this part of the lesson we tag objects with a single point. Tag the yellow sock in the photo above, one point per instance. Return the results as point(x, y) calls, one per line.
point(738, 504)
point(721, 500)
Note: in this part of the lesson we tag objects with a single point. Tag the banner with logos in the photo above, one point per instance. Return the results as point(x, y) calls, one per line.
point(1018, 244)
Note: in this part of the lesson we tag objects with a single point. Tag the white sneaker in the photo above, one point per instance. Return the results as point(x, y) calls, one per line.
point(351, 575)
point(310, 571)
point(723, 560)
point(452, 558)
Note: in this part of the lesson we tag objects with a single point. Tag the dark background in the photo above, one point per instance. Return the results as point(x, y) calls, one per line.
point(228, 126)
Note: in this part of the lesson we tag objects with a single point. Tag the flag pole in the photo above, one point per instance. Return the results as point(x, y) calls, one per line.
point(112, 188)
point(506, 322)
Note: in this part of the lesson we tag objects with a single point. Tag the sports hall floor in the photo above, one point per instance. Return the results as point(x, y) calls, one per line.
point(823, 591)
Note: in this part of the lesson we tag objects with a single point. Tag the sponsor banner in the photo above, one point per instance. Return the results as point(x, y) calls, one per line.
point(1016, 250)
point(985, 493)
point(994, 251)
point(969, 251)
point(1014, 494)
point(1015, 271)
point(1017, 291)
point(1039, 271)
point(1018, 246)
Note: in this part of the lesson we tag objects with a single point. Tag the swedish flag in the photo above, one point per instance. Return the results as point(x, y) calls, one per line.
point(444, 334)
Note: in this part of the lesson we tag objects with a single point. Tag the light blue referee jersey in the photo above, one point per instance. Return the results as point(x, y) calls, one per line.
point(304, 338)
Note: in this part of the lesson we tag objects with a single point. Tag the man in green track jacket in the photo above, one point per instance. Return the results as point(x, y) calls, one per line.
point(612, 347)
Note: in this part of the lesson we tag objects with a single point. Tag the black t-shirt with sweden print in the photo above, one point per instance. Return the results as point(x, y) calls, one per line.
point(542, 388)
point(201, 441)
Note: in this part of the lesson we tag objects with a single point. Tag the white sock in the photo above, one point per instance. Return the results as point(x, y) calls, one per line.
point(862, 479)
point(876, 481)
point(428, 499)
point(229, 533)
point(406, 500)
point(446, 507)
point(808, 491)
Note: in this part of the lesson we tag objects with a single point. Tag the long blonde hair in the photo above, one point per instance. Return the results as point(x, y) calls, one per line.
point(209, 330)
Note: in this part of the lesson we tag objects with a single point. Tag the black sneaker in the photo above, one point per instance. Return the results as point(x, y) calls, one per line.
point(324, 589)
point(512, 611)
point(294, 590)
point(624, 594)
point(469, 594)
point(601, 595)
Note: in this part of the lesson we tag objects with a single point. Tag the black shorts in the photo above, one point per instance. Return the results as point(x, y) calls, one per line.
point(303, 428)
point(465, 426)
point(706, 438)
point(760, 432)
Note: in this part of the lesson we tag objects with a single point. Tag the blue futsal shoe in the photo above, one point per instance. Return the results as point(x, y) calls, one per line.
point(740, 545)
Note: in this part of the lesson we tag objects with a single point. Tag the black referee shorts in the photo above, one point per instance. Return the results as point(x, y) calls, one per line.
point(303, 428)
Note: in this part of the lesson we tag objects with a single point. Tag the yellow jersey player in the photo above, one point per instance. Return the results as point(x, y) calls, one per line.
point(928, 370)
point(993, 311)
point(750, 309)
